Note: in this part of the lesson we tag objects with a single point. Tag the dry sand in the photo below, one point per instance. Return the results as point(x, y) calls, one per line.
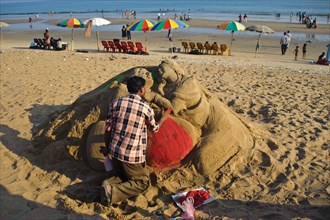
point(284, 102)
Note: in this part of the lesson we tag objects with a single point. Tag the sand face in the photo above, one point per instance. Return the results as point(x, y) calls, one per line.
point(283, 103)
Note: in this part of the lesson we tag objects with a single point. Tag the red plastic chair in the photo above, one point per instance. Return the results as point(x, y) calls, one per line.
point(131, 46)
point(124, 46)
point(140, 47)
point(105, 45)
point(112, 45)
point(118, 46)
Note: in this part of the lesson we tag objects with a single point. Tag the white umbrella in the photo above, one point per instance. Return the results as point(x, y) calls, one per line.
point(97, 22)
point(2, 25)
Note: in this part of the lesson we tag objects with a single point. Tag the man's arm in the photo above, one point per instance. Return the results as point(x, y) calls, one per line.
point(165, 115)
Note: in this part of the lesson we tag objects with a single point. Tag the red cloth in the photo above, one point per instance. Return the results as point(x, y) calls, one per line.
point(168, 146)
point(199, 196)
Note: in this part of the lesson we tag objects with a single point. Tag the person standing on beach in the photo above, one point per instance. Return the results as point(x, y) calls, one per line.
point(126, 142)
point(123, 32)
point(47, 39)
point(128, 33)
point(284, 43)
point(245, 18)
point(240, 18)
point(296, 51)
point(304, 50)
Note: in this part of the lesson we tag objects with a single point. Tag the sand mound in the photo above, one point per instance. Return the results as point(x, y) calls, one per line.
point(217, 133)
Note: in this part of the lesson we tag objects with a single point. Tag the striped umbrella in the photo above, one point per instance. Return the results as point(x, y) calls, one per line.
point(231, 26)
point(71, 23)
point(169, 24)
point(142, 25)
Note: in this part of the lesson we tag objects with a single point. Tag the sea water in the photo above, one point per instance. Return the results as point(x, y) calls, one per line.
point(256, 10)
point(198, 9)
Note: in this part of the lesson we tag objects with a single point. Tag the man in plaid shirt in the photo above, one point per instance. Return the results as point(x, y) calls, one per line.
point(126, 142)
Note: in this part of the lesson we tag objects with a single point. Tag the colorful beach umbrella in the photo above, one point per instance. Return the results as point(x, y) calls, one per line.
point(169, 24)
point(261, 29)
point(71, 23)
point(142, 25)
point(95, 22)
point(231, 26)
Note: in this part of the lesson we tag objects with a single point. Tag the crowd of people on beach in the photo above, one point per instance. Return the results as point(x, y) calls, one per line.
point(285, 43)
point(129, 14)
point(184, 16)
point(304, 18)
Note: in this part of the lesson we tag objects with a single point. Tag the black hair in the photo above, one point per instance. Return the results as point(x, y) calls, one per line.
point(135, 83)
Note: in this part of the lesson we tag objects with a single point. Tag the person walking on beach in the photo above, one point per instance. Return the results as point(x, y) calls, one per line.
point(304, 51)
point(126, 142)
point(284, 43)
point(296, 51)
point(289, 37)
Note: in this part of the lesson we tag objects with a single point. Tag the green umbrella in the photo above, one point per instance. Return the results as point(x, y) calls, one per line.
point(231, 26)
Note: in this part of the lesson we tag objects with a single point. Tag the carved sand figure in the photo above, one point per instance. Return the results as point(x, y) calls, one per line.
point(216, 132)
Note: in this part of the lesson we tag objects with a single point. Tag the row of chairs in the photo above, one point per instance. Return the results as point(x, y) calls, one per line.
point(123, 46)
point(206, 48)
point(40, 44)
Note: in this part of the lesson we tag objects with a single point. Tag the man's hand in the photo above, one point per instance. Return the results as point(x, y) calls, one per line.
point(165, 115)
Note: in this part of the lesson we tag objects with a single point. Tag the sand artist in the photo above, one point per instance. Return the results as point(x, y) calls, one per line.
point(126, 142)
point(202, 134)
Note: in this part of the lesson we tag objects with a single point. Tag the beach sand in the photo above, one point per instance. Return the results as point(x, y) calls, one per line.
point(285, 104)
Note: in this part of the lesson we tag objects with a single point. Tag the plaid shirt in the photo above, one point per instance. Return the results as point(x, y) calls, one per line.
point(127, 121)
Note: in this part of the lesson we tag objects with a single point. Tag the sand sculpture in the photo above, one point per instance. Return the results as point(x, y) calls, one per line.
point(216, 133)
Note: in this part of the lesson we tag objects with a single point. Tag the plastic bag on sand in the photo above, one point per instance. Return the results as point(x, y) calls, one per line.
point(188, 208)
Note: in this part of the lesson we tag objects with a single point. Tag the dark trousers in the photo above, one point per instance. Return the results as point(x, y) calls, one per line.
point(128, 180)
point(129, 35)
point(283, 48)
